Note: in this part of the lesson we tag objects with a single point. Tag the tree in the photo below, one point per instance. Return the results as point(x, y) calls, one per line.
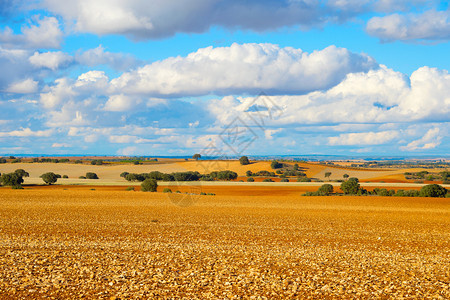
point(11, 179)
point(244, 160)
point(296, 167)
point(196, 156)
point(124, 174)
point(249, 173)
point(325, 189)
point(149, 185)
point(49, 178)
point(276, 165)
point(90, 175)
point(22, 173)
point(433, 190)
point(327, 175)
point(345, 176)
point(250, 179)
point(350, 186)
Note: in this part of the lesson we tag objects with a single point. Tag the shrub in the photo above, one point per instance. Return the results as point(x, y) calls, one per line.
point(90, 175)
point(304, 179)
point(65, 176)
point(97, 162)
point(276, 165)
point(17, 187)
point(433, 190)
point(167, 190)
point(2, 160)
point(250, 179)
point(149, 185)
point(82, 177)
point(351, 186)
point(325, 189)
point(267, 180)
point(11, 179)
point(124, 174)
point(130, 188)
point(78, 161)
point(22, 173)
point(248, 173)
point(244, 160)
point(284, 180)
point(49, 178)
point(296, 167)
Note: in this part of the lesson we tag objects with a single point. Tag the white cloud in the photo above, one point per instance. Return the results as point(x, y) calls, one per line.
point(141, 19)
point(431, 25)
point(364, 138)
point(50, 60)
point(98, 56)
point(27, 132)
point(378, 96)
point(244, 68)
point(430, 140)
point(56, 95)
point(61, 145)
point(121, 103)
point(123, 139)
point(27, 86)
point(41, 34)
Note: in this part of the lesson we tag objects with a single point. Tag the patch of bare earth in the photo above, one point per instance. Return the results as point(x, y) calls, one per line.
point(103, 244)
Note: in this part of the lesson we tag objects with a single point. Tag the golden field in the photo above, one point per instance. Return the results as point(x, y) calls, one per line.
point(107, 243)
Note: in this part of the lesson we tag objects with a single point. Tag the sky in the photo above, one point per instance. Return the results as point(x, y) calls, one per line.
point(225, 77)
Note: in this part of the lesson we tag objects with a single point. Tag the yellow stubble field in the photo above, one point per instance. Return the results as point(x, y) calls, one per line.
point(121, 244)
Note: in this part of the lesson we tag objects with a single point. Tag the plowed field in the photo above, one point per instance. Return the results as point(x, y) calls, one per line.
point(108, 244)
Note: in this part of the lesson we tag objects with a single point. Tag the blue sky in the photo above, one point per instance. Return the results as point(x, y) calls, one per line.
point(225, 77)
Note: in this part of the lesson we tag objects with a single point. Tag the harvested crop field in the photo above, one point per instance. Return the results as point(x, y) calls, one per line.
point(78, 243)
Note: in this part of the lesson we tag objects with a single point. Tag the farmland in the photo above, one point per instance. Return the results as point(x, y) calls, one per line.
point(106, 243)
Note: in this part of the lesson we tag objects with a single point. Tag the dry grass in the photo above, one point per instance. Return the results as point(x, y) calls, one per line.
point(103, 244)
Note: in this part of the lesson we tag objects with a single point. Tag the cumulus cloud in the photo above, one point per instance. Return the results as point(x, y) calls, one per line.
point(431, 25)
point(121, 103)
point(430, 140)
point(50, 60)
point(140, 19)
point(377, 96)
point(42, 33)
point(244, 68)
point(364, 138)
point(98, 56)
point(26, 86)
point(27, 132)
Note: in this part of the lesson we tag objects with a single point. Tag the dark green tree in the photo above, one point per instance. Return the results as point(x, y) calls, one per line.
point(90, 175)
point(345, 176)
point(325, 189)
point(433, 190)
point(276, 165)
point(196, 156)
point(351, 186)
point(11, 179)
point(327, 175)
point(149, 185)
point(22, 173)
point(49, 178)
point(244, 160)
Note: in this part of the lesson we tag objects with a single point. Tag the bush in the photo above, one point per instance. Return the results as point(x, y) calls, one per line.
point(351, 186)
point(90, 175)
point(325, 189)
point(248, 173)
point(49, 178)
point(304, 179)
point(284, 180)
point(130, 188)
point(11, 179)
point(268, 180)
point(22, 173)
point(124, 174)
point(78, 161)
point(65, 176)
point(149, 185)
point(167, 190)
point(433, 190)
point(276, 165)
point(244, 160)
point(2, 160)
point(250, 179)
point(82, 177)
point(97, 162)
